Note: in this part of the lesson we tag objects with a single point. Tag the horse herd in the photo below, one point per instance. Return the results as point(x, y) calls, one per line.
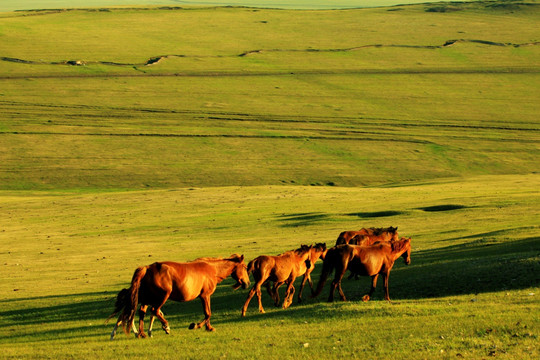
point(367, 252)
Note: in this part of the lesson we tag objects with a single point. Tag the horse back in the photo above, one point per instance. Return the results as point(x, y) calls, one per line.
point(369, 260)
point(184, 281)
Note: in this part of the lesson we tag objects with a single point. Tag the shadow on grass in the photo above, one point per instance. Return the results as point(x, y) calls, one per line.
point(301, 219)
point(471, 268)
point(446, 207)
point(376, 214)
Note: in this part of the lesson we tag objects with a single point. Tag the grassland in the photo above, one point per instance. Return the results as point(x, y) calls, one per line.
point(135, 135)
point(13, 5)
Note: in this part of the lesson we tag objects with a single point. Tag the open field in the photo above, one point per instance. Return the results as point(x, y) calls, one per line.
point(134, 135)
point(12, 5)
point(472, 287)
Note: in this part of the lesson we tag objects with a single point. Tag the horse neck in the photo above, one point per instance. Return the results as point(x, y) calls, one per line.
point(315, 255)
point(304, 256)
point(400, 247)
point(224, 268)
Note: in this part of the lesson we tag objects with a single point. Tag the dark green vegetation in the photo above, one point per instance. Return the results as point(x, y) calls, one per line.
point(135, 135)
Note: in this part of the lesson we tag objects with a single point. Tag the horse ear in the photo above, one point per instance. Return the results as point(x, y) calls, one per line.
point(242, 257)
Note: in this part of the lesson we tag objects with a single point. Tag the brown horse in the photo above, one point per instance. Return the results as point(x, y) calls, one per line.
point(153, 285)
point(318, 251)
point(367, 236)
point(280, 269)
point(363, 260)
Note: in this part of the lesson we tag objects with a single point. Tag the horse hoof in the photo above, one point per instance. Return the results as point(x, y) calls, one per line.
point(210, 329)
point(365, 298)
point(192, 326)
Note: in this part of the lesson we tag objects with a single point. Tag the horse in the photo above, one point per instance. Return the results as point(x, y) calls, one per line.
point(154, 284)
point(280, 269)
point(318, 251)
point(367, 235)
point(370, 260)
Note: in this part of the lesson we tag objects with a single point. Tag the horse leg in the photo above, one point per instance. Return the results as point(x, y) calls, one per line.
point(289, 294)
point(372, 290)
point(118, 323)
point(152, 318)
point(142, 313)
point(256, 289)
point(336, 283)
point(157, 313)
point(373, 286)
point(259, 299)
point(272, 291)
point(276, 293)
point(310, 282)
point(207, 313)
point(306, 276)
point(386, 293)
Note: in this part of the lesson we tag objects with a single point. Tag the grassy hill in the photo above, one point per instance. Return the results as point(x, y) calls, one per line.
point(134, 135)
point(169, 98)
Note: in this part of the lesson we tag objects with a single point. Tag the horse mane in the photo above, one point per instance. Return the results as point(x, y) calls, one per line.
point(380, 231)
point(302, 249)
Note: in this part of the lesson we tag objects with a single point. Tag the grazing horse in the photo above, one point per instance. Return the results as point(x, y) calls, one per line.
point(280, 269)
point(372, 234)
point(153, 285)
point(363, 260)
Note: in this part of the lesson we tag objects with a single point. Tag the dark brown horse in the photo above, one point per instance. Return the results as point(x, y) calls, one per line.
point(363, 260)
point(367, 236)
point(153, 285)
point(280, 269)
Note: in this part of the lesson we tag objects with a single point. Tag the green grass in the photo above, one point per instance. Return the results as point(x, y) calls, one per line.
point(257, 144)
point(475, 254)
point(347, 101)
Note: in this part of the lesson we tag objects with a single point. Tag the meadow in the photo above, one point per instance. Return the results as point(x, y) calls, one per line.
point(130, 135)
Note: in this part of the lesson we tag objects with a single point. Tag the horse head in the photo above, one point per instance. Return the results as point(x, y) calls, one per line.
point(239, 274)
point(407, 254)
point(320, 250)
point(304, 253)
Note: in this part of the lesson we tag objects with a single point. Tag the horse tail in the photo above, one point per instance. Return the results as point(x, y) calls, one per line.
point(132, 298)
point(252, 264)
point(121, 302)
point(328, 267)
